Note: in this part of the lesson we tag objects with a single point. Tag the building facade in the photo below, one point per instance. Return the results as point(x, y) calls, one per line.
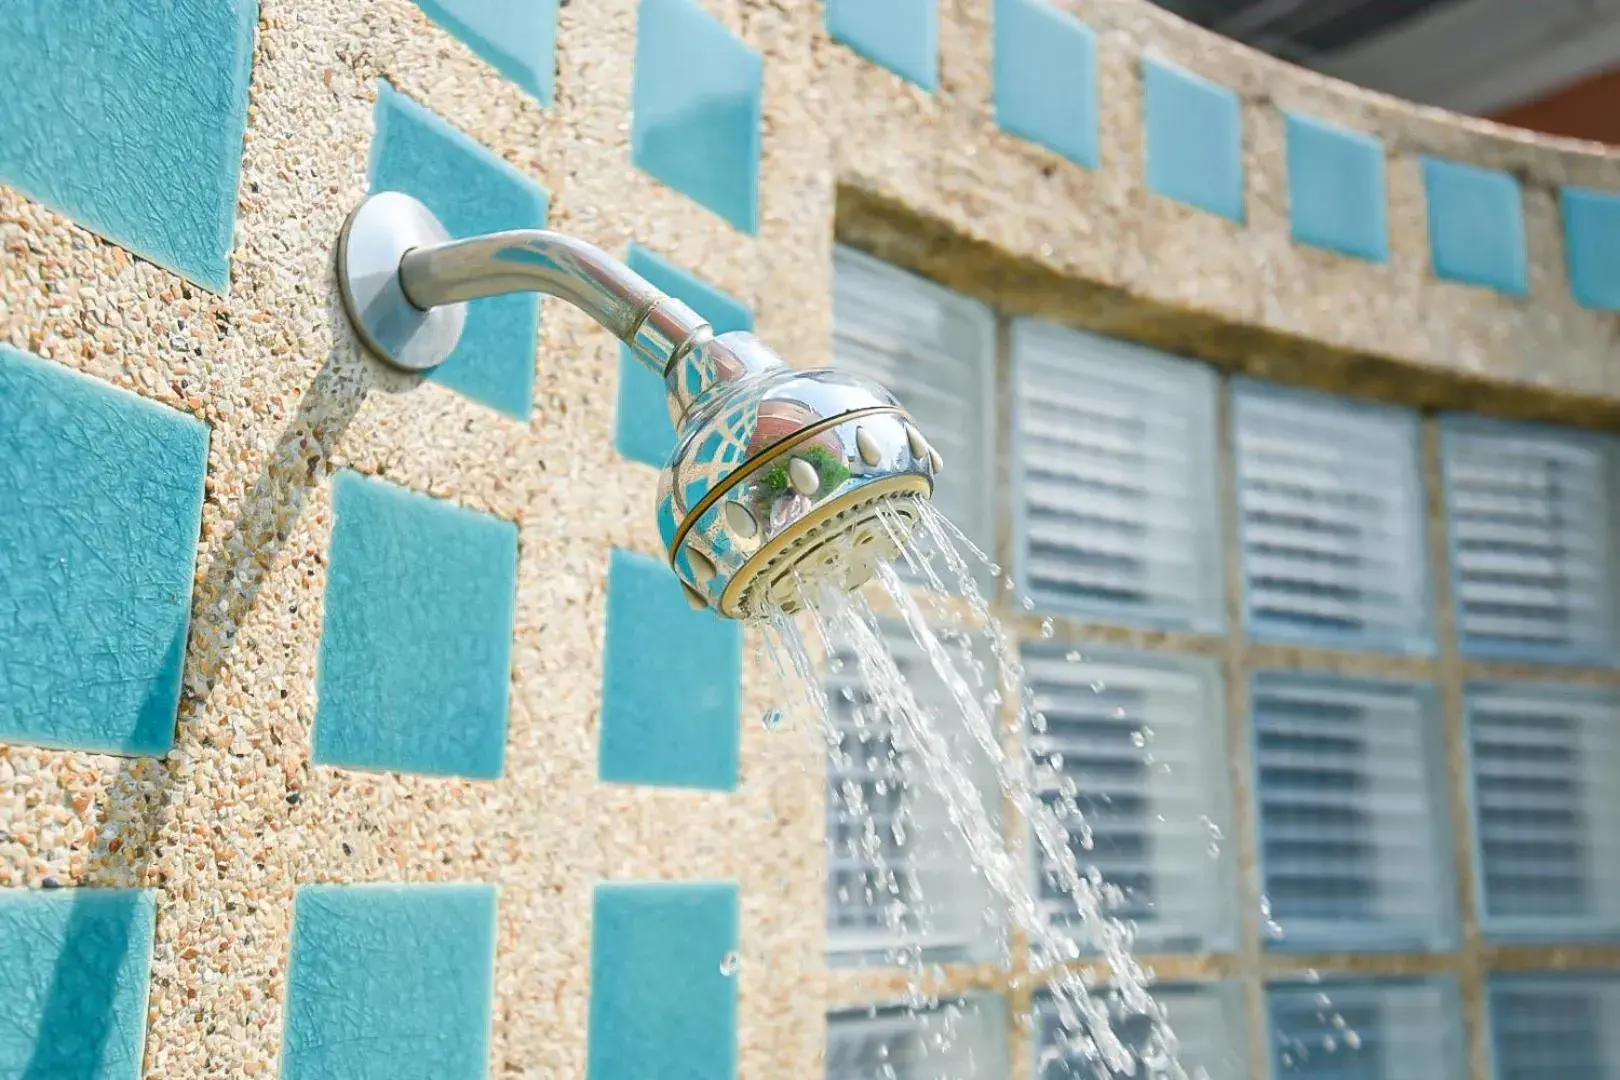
point(351, 723)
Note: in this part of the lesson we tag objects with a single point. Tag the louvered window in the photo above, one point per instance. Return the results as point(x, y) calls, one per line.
point(963, 1040)
point(1355, 836)
point(1207, 1020)
point(1555, 1027)
point(1532, 514)
point(1547, 808)
point(897, 872)
point(1368, 1030)
point(1331, 519)
point(935, 351)
point(1131, 739)
point(1116, 485)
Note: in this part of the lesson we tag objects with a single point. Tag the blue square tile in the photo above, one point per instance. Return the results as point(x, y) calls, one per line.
point(643, 429)
point(129, 119)
point(1046, 78)
point(901, 35)
point(1336, 194)
point(671, 683)
point(658, 991)
point(518, 38)
point(75, 965)
point(471, 191)
point(102, 494)
point(1476, 225)
point(390, 982)
point(416, 650)
point(1194, 140)
point(696, 110)
point(1592, 238)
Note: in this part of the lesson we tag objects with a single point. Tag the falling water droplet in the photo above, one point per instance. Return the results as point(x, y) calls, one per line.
point(1138, 740)
point(1028, 604)
point(1329, 1043)
point(1352, 1040)
point(772, 719)
point(730, 963)
point(1047, 629)
point(1073, 656)
point(1323, 1001)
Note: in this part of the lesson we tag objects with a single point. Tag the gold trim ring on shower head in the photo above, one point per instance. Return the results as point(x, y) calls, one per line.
point(764, 458)
point(853, 521)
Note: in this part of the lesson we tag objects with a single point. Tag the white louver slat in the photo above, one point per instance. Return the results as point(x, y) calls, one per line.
point(1547, 808)
point(935, 351)
point(1207, 1019)
point(1332, 522)
point(873, 790)
point(1557, 1026)
point(1533, 531)
point(1354, 830)
point(964, 1040)
point(1136, 735)
point(1116, 486)
point(1395, 1029)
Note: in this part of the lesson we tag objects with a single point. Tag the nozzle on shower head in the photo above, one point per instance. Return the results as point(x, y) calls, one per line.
point(782, 482)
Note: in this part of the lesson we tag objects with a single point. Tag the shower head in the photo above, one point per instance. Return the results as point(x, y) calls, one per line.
point(782, 482)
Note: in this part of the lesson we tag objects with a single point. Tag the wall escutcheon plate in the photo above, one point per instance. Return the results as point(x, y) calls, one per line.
point(373, 241)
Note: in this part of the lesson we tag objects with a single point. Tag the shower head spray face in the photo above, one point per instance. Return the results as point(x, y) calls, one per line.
point(782, 482)
point(785, 481)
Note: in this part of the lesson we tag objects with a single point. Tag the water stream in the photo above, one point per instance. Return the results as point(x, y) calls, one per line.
point(928, 601)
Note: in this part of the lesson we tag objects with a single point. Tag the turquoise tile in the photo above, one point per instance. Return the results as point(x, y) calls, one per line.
point(128, 118)
point(1194, 140)
point(472, 191)
point(518, 38)
point(1336, 192)
point(696, 109)
point(1476, 226)
point(671, 683)
point(102, 494)
point(658, 991)
point(74, 969)
point(1046, 78)
point(390, 982)
point(901, 35)
point(417, 645)
point(643, 430)
point(1592, 238)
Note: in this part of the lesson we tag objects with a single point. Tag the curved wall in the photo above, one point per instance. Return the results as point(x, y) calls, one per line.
point(313, 744)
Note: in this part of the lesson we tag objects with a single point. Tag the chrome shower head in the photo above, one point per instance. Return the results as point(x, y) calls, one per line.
point(781, 481)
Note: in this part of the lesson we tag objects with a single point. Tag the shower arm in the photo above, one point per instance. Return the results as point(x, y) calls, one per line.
point(405, 284)
point(657, 326)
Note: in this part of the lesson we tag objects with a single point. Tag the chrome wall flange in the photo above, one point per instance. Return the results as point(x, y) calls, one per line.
point(374, 241)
